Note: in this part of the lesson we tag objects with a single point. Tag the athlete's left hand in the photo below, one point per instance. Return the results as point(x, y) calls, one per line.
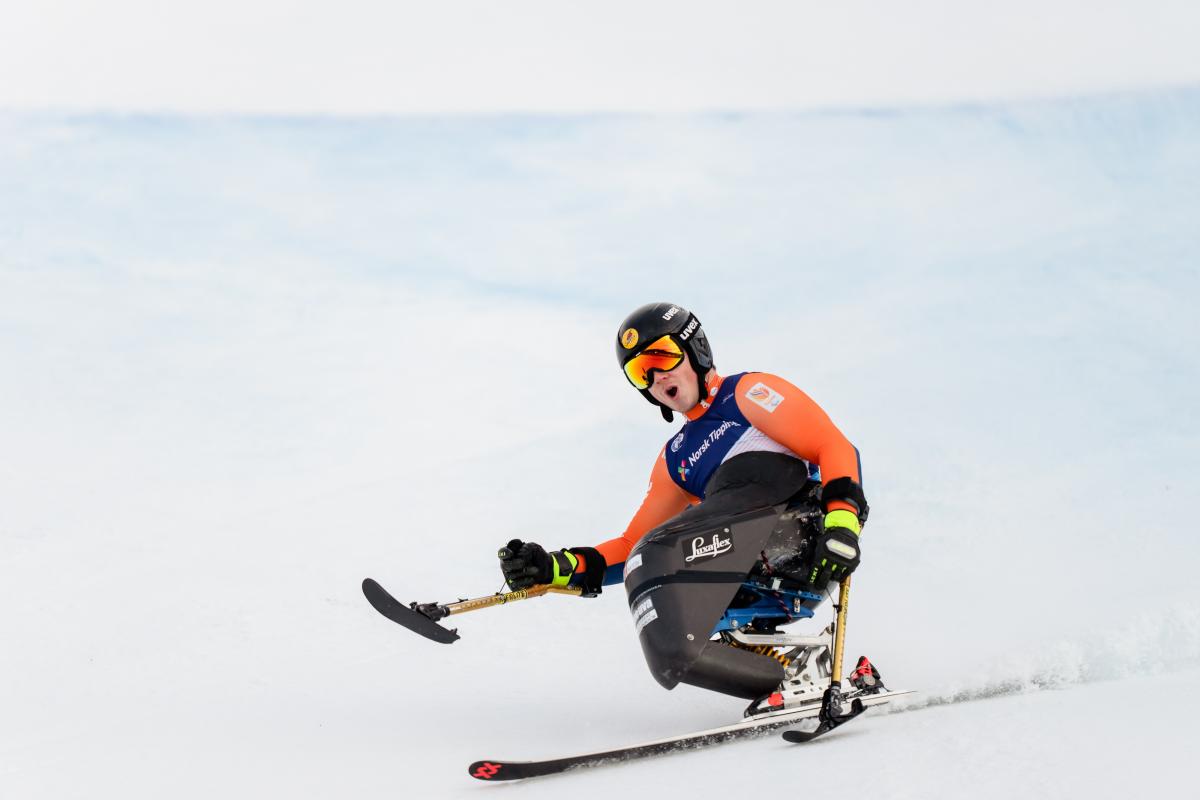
point(837, 553)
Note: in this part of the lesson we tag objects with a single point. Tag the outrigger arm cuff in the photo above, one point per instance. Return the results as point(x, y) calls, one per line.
point(848, 491)
point(591, 578)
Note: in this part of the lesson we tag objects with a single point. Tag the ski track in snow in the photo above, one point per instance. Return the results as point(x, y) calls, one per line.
point(1159, 645)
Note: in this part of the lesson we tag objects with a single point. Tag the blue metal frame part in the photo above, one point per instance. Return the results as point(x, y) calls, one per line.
point(779, 606)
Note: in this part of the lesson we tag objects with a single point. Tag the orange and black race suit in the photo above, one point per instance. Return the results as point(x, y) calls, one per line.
point(745, 413)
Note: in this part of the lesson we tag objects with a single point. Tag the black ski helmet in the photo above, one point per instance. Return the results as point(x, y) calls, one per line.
point(653, 321)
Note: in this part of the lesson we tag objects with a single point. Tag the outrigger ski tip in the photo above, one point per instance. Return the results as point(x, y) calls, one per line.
point(423, 618)
point(417, 618)
point(828, 721)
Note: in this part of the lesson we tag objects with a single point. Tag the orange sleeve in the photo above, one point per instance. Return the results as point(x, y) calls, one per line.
point(790, 417)
point(663, 500)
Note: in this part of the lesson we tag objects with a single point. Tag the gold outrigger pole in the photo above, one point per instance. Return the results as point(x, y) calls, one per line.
point(831, 704)
point(499, 599)
point(839, 640)
point(423, 618)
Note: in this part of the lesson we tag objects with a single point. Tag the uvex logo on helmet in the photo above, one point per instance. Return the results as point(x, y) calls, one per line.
point(672, 311)
point(689, 330)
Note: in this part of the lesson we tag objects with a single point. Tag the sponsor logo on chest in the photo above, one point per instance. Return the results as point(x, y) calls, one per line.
point(720, 431)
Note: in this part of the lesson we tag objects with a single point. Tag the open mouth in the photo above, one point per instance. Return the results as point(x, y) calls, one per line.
point(671, 392)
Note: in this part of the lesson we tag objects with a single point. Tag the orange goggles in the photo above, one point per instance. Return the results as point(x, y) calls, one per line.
point(663, 354)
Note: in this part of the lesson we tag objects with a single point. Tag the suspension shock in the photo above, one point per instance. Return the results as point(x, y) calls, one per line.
point(760, 649)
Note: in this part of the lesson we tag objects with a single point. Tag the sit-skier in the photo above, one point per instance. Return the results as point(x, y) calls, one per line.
point(753, 445)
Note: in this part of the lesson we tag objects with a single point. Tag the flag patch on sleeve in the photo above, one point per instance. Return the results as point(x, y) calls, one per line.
point(765, 396)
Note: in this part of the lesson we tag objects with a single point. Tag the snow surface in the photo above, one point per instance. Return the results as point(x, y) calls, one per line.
point(248, 362)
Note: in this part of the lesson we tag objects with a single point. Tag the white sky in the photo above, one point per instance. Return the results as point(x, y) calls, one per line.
point(384, 56)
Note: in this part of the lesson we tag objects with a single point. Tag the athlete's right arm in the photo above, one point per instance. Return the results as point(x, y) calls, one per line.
point(663, 500)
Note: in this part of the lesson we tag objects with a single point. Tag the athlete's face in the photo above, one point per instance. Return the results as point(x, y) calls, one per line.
point(678, 389)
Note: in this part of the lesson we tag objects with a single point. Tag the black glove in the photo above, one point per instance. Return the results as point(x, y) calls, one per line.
point(526, 564)
point(836, 554)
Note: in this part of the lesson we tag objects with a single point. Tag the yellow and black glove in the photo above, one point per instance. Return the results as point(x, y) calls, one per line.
point(526, 564)
point(837, 552)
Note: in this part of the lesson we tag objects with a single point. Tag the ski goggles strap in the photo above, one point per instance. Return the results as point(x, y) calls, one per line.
point(663, 354)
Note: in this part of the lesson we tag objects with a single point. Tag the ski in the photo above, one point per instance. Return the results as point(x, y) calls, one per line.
point(410, 617)
point(494, 769)
point(500, 770)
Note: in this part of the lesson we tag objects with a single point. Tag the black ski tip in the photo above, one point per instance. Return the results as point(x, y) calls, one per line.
point(371, 587)
point(827, 724)
point(799, 737)
point(397, 612)
point(490, 771)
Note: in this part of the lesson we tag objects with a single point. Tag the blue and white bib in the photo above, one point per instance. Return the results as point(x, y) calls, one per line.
point(706, 443)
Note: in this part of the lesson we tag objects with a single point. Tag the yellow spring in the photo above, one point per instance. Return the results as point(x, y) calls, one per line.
point(762, 650)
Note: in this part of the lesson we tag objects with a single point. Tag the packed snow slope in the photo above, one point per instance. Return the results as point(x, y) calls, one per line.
point(248, 362)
